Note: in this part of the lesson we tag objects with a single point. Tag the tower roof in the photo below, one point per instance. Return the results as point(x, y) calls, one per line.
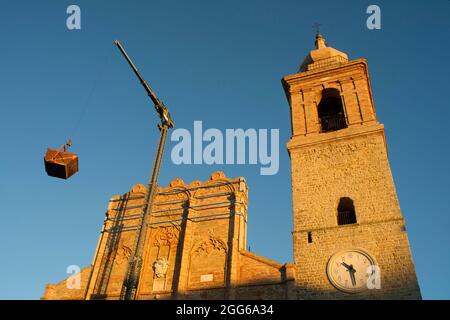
point(322, 56)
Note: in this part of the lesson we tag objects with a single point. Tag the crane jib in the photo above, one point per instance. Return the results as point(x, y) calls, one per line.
point(159, 106)
point(131, 281)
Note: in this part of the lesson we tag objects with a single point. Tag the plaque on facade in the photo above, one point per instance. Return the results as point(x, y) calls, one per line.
point(206, 277)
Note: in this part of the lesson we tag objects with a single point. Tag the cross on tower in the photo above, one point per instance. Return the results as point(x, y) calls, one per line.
point(317, 25)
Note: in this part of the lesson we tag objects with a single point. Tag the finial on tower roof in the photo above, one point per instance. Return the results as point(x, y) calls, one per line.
point(320, 41)
point(316, 57)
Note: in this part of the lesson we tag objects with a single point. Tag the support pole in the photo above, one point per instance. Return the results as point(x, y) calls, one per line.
point(131, 282)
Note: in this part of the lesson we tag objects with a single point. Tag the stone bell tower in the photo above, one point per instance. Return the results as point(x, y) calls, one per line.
point(349, 235)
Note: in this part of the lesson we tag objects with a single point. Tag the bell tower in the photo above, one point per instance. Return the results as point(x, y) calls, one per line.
point(349, 234)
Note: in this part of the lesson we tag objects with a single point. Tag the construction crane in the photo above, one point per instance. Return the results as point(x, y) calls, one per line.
point(131, 281)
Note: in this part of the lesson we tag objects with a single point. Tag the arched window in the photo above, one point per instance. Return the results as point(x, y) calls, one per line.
point(346, 211)
point(330, 110)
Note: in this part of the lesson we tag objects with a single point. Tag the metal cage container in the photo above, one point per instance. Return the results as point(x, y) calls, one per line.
point(60, 164)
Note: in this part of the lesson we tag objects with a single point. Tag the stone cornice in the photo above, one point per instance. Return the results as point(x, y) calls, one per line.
point(302, 141)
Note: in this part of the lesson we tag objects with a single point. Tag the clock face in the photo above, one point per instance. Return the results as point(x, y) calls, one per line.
point(348, 270)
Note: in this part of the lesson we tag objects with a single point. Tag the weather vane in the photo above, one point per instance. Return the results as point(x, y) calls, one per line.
point(317, 25)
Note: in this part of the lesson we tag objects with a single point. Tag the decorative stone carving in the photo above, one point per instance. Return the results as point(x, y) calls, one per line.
point(123, 254)
point(217, 175)
point(160, 267)
point(209, 245)
point(178, 182)
point(166, 236)
point(139, 188)
point(195, 184)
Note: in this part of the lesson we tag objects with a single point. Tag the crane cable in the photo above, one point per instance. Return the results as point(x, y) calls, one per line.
point(87, 101)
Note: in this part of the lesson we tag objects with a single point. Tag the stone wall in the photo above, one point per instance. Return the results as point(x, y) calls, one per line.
point(195, 246)
point(350, 162)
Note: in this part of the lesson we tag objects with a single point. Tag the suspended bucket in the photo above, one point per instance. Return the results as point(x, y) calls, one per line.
point(60, 163)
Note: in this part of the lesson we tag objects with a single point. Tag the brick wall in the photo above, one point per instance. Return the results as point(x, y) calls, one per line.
point(197, 234)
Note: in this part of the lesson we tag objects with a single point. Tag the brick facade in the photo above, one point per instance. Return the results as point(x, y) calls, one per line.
point(198, 231)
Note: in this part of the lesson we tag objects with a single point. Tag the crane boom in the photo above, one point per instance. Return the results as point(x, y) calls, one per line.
point(132, 275)
point(162, 110)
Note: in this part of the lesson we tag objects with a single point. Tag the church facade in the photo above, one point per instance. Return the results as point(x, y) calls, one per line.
point(349, 236)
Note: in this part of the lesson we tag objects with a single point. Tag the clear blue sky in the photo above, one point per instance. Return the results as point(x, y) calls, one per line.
point(216, 61)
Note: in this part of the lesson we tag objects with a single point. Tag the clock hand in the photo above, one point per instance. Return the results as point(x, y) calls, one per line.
point(346, 265)
point(352, 275)
point(351, 272)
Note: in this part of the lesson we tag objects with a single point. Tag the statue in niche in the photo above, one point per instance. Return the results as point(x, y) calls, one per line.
point(160, 267)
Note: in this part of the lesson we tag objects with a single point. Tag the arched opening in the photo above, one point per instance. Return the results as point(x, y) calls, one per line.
point(331, 112)
point(346, 211)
